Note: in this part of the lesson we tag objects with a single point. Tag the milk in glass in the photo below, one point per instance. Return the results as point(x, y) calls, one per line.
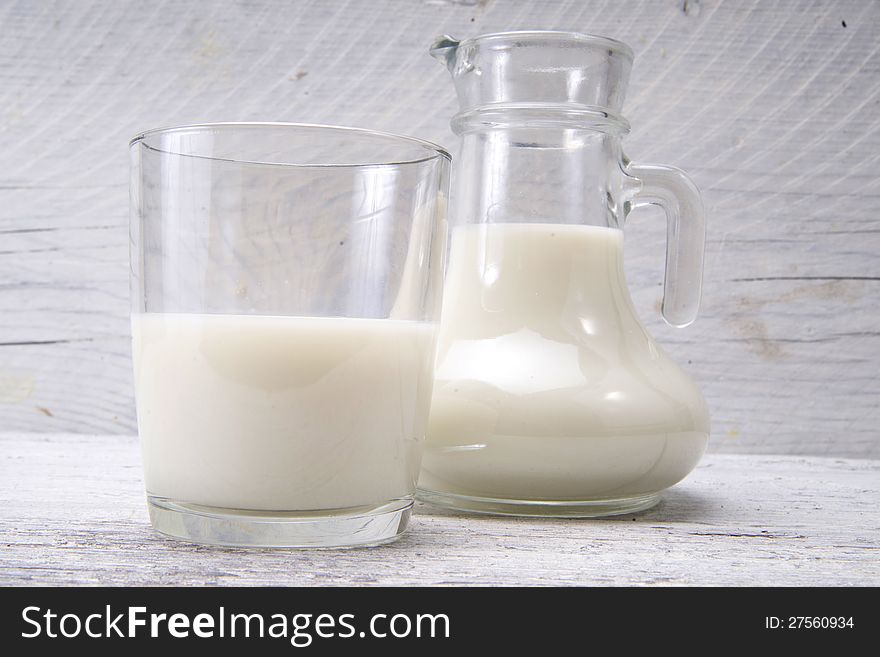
point(281, 413)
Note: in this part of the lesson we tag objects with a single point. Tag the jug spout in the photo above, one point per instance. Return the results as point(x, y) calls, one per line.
point(444, 48)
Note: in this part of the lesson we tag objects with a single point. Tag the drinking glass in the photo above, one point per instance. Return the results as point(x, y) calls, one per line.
point(286, 285)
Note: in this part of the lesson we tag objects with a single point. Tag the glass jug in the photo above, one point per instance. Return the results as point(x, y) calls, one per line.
point(550, 396)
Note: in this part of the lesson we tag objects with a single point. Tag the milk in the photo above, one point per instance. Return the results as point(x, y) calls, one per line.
point(281, 413)
point(547, 385)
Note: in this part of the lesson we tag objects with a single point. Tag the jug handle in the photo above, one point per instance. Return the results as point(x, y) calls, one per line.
point(672, 190)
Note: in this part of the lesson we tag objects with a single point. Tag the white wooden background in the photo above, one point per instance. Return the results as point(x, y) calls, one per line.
point(773, 107)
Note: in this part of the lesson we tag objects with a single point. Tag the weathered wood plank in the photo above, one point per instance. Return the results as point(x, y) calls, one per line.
point(72, 511)
point(773, 107)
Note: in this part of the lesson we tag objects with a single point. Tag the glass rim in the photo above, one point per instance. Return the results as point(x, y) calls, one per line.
point(596, 39)
point(435, 151)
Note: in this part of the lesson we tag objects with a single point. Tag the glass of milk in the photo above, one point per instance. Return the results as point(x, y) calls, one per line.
point(286, 285)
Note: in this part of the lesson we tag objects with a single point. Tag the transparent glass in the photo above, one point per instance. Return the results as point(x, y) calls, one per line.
point(285, 291)
point(550, 396)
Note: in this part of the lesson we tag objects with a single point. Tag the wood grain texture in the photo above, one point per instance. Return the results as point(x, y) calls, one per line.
point(73, 512)
point(774, 108)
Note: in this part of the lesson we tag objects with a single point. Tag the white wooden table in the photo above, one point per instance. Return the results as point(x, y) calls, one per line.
point(72, 511)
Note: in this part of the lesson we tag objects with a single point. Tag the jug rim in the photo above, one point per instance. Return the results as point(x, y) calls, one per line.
point(596, 39)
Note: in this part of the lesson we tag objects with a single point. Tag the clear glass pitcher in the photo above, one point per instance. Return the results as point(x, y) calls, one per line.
point(550, 396)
